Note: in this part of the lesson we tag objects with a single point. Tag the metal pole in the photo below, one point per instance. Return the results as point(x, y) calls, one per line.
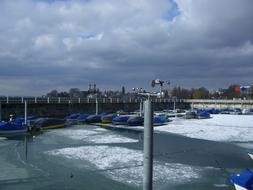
point(96, 106)
point(26, 150)
point(0, 111)
point(25, 112)
point(174, 107)
point(141, 105)
point(148, 146)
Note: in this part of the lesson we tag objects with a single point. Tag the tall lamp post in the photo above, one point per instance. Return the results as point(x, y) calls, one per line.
point(148, 134)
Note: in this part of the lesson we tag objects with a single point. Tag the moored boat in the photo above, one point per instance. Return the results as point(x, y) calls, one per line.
point(135, 121)
point(73, 116)
point(120, 120)
point(12, 128)
point(160, 120)
point(48, 123)
point(82, 117)
point(203, 115)
point(190, 115)
point(243, 181)
point(250, 155)
point(108, 118)
point(93, 119)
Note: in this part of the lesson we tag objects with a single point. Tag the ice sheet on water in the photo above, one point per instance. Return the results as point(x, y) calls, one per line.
point(218, 128)
point(111, 138)
point(125, 165)
point(99, 129)
point(10, 171)
point(95, 136)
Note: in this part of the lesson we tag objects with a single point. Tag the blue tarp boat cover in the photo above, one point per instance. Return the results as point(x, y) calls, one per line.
point(46, 122)
point(160, 119)
point(82, 117)
point(245, 179)
point(73, 116)
point(203, 114)
point(93, 119)
point(9, 126)
point(121, 119)
point(109, 116)
point(135, 121)
point(22, 119)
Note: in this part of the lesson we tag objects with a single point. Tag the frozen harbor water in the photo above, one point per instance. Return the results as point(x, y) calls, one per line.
point(217, 128)
point(199, 155)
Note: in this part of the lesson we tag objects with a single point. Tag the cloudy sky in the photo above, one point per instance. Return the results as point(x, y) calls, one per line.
point(59, 44)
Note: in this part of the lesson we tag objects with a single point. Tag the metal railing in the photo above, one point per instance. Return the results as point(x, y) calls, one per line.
point(65, 100)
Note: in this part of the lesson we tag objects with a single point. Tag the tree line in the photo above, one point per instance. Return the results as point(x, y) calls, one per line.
point(178, 92)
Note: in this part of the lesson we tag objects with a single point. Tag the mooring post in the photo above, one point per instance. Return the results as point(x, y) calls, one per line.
point(25, 112)
point(96, 106)
point(148, 146)
point(141, 106)
point(174, 106)
point(0, 111)
point(26, 148)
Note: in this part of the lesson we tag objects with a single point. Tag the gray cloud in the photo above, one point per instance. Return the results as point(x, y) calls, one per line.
point(57, 44)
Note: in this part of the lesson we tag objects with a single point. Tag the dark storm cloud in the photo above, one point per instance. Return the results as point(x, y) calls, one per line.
point(57, 44)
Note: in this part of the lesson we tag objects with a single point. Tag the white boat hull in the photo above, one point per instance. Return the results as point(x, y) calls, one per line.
point(250, 155)
point(237, 187)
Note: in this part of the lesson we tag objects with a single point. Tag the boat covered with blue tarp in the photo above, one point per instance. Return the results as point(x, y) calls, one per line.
point(93, 119)
point(48, 123)
point(82, 117)
point(135, 121)
point(160, 120)
point(108, 118)
point(73, 116)
point(243, 181)
point(120, 120)
point(203, 114)
point(11, 127)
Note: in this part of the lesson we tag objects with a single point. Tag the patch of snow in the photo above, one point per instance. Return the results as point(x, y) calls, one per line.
point(100, 129)
point(125, 165)
point(111, 138)
point(218, 128)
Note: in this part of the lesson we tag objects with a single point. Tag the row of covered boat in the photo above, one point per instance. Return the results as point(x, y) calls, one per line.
point(116, 119)
point(18, 125)
point(234, 111)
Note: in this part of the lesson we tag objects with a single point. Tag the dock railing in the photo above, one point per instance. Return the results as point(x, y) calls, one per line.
point(66, 100)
